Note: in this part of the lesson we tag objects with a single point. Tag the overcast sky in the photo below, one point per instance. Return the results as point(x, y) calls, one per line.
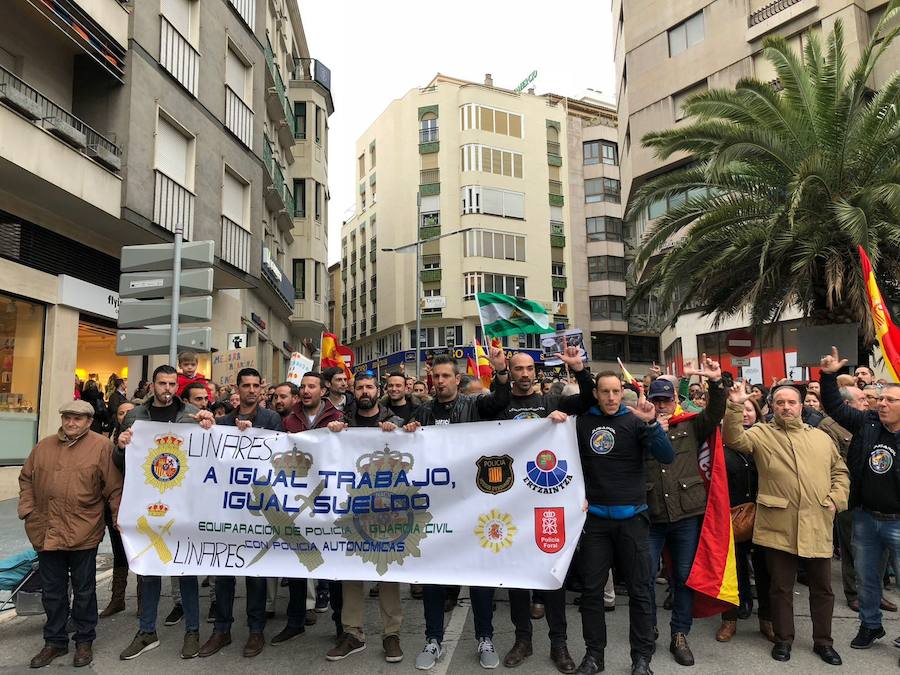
point(378, 50)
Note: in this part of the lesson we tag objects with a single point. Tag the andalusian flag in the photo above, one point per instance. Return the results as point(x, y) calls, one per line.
point(330, 357)
point(885, 330)
point(505, 315)
point(713, 577)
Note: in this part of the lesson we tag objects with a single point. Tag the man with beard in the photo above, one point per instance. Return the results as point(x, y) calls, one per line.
point(348, 604)
point(284, 397)
point(525, 404)
point(403, 405)
point(450, 407)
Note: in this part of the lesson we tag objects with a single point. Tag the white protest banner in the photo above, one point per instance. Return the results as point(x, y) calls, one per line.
point(298, 367)
point(481, 504)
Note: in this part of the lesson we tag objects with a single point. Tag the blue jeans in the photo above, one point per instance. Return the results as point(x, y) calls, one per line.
point(482, 610)
point(256, 604)
point(681, 537)
point(871, 538)
point(190, 601)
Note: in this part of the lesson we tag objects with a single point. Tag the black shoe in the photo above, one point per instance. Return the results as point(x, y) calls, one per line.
point(287, 633)
point(866, 636)
point(828, 655)
point(176, 615)
point(681, 650)
point(641, 666)
point(781, 651)
point(590, 665)
point(322, 601)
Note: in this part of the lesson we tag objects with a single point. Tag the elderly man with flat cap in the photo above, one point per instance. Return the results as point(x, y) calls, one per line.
point(64, 485)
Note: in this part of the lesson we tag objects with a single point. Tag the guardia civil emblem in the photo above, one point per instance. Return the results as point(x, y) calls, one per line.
point(495, 530)
point(166, 464)
point(495, 474)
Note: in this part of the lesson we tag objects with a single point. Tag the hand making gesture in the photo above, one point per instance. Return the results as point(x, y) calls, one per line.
point(832, 363)
point(644, 410)
point(738, 393)
point(708, 368)
point(571, 356)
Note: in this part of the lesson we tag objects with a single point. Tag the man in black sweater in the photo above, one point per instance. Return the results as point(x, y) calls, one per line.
point(613, 442)
point(525, 404)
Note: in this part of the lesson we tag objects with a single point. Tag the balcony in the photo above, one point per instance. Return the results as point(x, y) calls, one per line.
point(430, 182)
point(235, 243)
point(372, 253)
point(277, 102)
point(557, 241)
point(776, 14)
point(238, 117)
point(178, 56)
point(429, 276)
point(278, 195)
point(554, 154)
point(556, 193)
point(246, 9)
point(372, 296)
point(173, 205)
point(314, 71)
point(557, 227)
point(558, 281)
point(277, 279)
point(429, 141)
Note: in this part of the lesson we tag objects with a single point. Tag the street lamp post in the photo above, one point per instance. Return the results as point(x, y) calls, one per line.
point(417, 285)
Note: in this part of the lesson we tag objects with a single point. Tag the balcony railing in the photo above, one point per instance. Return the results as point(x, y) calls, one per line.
point(429, 176)
point(769, 11)
point(247, 11)
point(429, 135)
point(553, 148)
point(279, 185)
point(235, 244)
point(556, 187)
point(178, 56)
point(556, 227)
point(273, 274)
point(280, 90)
point(33, 105)
point(173, 205)
point(238, 117)
point(312, 70)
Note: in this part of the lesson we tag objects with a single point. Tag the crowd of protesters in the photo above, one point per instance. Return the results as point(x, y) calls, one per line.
point(811, 476)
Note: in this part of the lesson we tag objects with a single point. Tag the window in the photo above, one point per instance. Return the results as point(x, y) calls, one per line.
point(474, 116)
point(475, 157)
point(559, 295)
point(602, 190)
point(317, 282)
point(610, 152)
point(431, 262)
point(300, 198)
point(372, 154)
point(174, 153)
point(643, 349)
point(498, 245)
point(428, 128)
point(362, 165)
point(604, 228)
point(180, 13)
point(607, 308)
point(431, 293)
point(237, 75)
point(318, 202)
point(591, 152)
point(679, 99)
point(436, 337)
point(481, 282)
point(686, 34)
point(494, 202)
point(317, 112)
point(234, 198)
point(606, 268)
point(557, 269)
point(608, 346)
point(299, 278)
point(300, 120)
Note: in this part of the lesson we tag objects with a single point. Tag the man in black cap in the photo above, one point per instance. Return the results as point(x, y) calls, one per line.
point(677, 493)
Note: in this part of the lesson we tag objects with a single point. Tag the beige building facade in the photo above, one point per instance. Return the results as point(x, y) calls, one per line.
point(667, 51)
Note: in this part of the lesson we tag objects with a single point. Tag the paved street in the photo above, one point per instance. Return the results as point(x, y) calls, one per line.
point(747, 654)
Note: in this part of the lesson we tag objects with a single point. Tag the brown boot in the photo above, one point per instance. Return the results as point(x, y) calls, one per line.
point(47, 654)
point(520, 651)
point(765, 627)
point(726, 630)
point(84, 654)
point(117, 601)
point(215, 643)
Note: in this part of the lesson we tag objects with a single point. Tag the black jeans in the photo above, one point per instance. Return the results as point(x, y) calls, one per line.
point(55, 569)
point(482, 610)
point(626, 544)
point(115, 539)
point(256, 604)
point(336, 600)
point(296, 608)
point(554, 608)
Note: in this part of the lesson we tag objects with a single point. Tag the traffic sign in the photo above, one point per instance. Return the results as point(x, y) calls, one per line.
point(142, 341)
point(152, 257)
point(739, 342)
point(146, 285)
point(138, 313)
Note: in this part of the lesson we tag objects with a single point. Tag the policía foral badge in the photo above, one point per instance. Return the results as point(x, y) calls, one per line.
point(495, 473)
point(550, 528)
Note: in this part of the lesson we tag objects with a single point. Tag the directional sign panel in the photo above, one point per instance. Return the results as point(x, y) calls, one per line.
point(143, 285)
point(141, 341)
point(139, 313)
point(159, 256)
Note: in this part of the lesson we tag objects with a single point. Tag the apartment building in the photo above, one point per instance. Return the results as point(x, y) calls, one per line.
point(667, 51)
point(121, 122)
point(476, 173)
point(335, 290)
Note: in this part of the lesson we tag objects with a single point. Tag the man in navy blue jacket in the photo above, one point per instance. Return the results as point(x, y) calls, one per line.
point(613, 442)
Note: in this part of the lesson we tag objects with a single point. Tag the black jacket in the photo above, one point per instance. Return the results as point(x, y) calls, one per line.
point(541, 405)
point(142, 412)
point(385, 414)
point(743, 479)
point(470, 408)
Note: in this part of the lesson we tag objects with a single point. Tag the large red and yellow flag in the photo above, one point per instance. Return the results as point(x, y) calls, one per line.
point(713, 576)
point(483, 369)
point(885, 329)
point(330, 356)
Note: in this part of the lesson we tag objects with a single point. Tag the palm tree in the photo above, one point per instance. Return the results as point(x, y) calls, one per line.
point(783, 185)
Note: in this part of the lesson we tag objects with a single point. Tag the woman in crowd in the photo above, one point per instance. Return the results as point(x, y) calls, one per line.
point(742, 486)
point(94, 396)
point(811, 400)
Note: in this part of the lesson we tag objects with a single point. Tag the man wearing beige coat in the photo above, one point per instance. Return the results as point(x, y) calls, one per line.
point(803, 482)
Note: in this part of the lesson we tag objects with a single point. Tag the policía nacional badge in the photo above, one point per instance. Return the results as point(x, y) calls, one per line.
point(166, 464)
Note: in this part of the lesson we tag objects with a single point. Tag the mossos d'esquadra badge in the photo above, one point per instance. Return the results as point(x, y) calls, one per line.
point(166, 464)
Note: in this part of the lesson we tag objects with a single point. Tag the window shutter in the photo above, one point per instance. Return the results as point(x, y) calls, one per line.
point(428, 204)
point(171, 152)
point(515, 125)
point(556, 214)
point(178, 13)
point(236, 74)
point(514, 205)
point(492, 201)
point(233, 199)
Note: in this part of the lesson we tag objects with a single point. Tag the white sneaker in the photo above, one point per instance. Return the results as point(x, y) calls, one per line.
point(429, 655)
point(486, 654)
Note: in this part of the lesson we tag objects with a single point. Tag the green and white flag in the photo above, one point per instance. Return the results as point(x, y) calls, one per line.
point(505, 315)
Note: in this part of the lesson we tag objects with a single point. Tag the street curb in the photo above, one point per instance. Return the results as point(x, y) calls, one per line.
point(10, 614)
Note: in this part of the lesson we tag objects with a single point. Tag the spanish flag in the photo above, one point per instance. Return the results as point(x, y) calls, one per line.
point(713, 576)
point(329, 356)
point(629, 378)
point(483, 369)
point(885, 329)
